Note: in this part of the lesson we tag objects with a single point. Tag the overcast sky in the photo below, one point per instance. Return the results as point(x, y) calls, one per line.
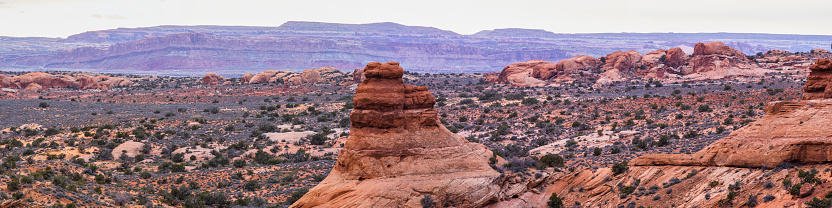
point(61, 18)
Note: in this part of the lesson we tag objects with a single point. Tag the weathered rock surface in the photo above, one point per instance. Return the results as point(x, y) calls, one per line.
point(522, 74)
point(791, 131)
point(567, 70)
point(358, 76)
point(212, 79)
point(5, 81)
point(715, 60)
point(399, 153)
point(819, 82)
point(246, 78)
point(618, 65)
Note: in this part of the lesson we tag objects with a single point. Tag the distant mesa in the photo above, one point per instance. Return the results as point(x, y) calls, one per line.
point(791, 131)
point(399, 153)
point(38, 81)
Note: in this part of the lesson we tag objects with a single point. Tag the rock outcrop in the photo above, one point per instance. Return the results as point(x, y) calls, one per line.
point(246, 78)
point(324, 75)
point(37, 81)
point(717, 61)
point(398, 153)
point(522, 74)
point(567, 70)
point(358, 76)
point(212, 79)
point(819, 82)
point(791, 131)
point(5, 81)
point(271, 76)
point(618, 65)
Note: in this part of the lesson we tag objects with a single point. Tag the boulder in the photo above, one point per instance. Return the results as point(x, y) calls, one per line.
point(806, 190)
point(246, 78)
point(212, 79)
point(675, 57)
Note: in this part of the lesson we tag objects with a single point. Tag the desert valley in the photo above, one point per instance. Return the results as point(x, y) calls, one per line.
point(312, 114)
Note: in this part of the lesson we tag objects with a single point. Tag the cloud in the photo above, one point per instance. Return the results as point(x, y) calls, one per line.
point(109, 16)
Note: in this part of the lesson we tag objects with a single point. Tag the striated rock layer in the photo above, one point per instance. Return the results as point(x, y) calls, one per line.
point(399, 153)
point(791, 131)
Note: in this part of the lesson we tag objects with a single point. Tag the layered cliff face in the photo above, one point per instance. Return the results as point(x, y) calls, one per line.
point(398, 153)
point(791, 131)
point(205, 50)
point(37, 81)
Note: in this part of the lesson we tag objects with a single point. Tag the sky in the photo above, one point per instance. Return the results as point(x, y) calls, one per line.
point(61, 18)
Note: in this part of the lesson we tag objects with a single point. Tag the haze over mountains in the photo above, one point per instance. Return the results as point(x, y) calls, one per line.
point(234, 50)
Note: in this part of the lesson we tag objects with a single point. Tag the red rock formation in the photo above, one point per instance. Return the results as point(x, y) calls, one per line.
point(716, 56)
point(45, 81)
point(88, 82)
point(522, 74)
point(819, 82)
point(34, 87)
point(398, 153)
point(271, 76)
point(675, 57)
point(819, 50)
point(212, 79)
point(622, 61)
point(246, 78)
point(38, 81)
point(5, 82)
point(323, 75)
point(791, 131)
point(654, 58)
point(567, 69)
point(618, 66)
point(358, 76)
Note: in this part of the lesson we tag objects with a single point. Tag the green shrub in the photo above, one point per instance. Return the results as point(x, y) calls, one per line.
point(555, 201)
